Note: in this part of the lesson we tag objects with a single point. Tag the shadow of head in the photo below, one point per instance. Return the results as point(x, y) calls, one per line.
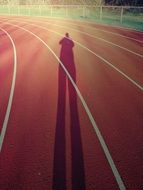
point(67, 35)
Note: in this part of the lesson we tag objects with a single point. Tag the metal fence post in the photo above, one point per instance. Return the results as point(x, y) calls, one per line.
point(101, 12)
point(66, 10)
point(40, 11)
point(51, 11)
point(29, 10)
point(83, 11)
point(9, 9)
point(18, 10)
point(121, 17)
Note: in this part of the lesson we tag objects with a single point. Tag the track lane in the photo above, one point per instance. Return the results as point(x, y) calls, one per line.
point(7, 80)
point(125, 42)
point(132, 71)
point(120, 101)
point(107, 52)
point(126, 32)
point(108, 29)
point(114, 38)
point(26, 159)
point(6, 73)
point(24, 136)
point(136, 121)
point(135, 70)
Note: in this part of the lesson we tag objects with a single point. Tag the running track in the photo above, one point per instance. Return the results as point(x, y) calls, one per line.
point(79, 130)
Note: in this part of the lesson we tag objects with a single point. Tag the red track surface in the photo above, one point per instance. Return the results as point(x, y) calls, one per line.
point(50, 142)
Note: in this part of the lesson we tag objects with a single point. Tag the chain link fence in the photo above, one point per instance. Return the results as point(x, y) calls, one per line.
point(118, 15)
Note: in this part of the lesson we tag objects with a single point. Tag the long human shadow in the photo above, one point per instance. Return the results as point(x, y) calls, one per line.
point(59, 169)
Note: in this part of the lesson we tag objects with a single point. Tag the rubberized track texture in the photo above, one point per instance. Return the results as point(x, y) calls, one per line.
point(71, 105)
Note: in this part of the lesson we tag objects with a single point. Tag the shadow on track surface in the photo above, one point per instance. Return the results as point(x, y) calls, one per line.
point(59, 170)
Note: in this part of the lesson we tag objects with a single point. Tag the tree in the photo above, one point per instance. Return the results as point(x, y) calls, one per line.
point(125, 2)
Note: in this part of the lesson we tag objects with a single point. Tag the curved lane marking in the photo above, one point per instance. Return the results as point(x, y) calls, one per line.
point(91, 118)
point(93, 27)
point(92, 36)
point(84, 47)
point(95, 37)
point(5, 123)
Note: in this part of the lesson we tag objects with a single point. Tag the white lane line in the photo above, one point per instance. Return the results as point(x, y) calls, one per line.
point(95, 37)
point(91, 118)
point(106, 31)
point(92, 36)
point(93, 27)
point(101, 24)
point(104, 60)
point(4, 127)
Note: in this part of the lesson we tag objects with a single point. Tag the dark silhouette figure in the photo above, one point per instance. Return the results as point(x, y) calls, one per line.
point(59, 171)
